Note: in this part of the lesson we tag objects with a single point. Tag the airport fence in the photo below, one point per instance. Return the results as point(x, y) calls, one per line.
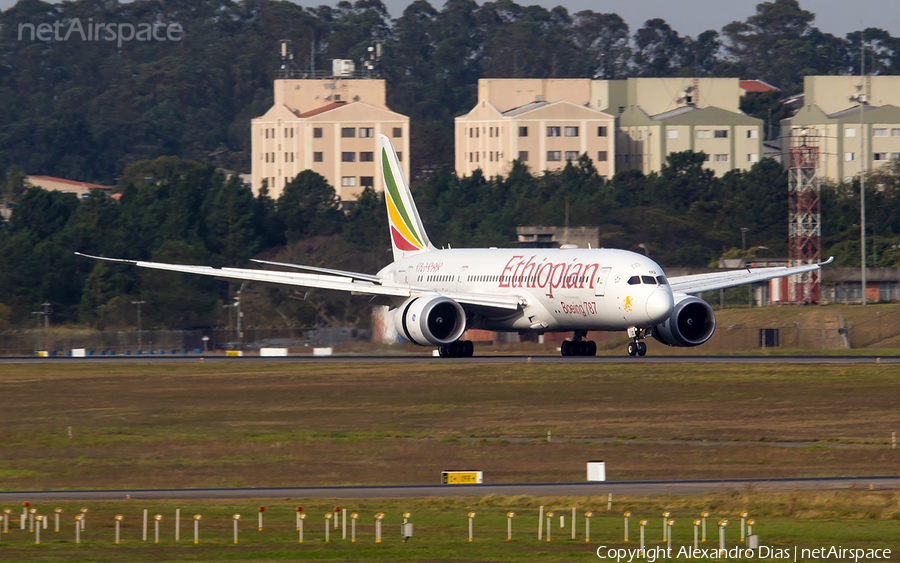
point(61, 341)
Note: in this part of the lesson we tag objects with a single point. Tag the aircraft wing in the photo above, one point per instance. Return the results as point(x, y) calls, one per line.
point(698, 283)
point(345, 281)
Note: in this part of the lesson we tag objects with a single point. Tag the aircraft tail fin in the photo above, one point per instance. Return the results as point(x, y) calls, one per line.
point(408, 235)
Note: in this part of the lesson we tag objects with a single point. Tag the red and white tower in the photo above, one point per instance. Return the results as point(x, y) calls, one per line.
point(805, 216)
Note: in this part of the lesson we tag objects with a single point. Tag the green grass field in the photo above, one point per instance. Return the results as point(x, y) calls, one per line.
point(277, 424)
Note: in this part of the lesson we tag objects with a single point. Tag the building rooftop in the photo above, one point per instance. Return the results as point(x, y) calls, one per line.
point(323, 109)
point(525, 109)
point(756, 86)
point(73, 183)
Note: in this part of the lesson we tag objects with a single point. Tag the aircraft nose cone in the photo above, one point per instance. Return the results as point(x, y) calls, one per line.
point(660, 305)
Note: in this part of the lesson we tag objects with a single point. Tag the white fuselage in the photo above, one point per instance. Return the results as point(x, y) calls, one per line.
point(561, 290)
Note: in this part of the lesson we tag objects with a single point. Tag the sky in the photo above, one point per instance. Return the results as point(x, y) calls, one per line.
point(692, 17)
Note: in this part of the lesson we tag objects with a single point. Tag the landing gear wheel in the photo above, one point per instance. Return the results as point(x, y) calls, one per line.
point(641, 348)
point(458, 349)
point(632, 349)
point(591, 348)
point(468, 348)
point(566, 348)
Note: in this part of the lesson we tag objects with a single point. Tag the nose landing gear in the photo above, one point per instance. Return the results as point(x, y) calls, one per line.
point(637, 347)
point(578, 346)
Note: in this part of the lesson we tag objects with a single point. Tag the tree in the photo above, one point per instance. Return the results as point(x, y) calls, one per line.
point(308, 206)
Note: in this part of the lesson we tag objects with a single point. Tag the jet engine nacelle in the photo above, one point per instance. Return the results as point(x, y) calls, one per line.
point(430, 320)
point(691, 323)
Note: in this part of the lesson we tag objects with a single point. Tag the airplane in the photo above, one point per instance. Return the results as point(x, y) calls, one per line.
point(435, 295)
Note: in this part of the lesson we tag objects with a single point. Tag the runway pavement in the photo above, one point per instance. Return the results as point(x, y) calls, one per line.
point(303, 359)
point(504, 489)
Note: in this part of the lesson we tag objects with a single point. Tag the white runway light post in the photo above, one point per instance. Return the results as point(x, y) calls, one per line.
point(378, 518)
point(328, 517)
point(119, 518)
point(236, 518)
point(299, 510)
point(696, 534)
point(261, 510)
point(343, 523)
point(670, 523)
point(587, 525)
point(406, 527)
point(84, 512)
point(157, 519)
point(471, 518)
point(24, 518)
point(78, 520)
point(31, 513)
point(750, 524)
point(627, 515)
point(301, 516)
point(177, 524)
point(37, 529)
point(353, 518)
point(549, 524)
point(665, 518)
point(57, 512)
point(743, 524)
point(337, 512)
point(6, 513)
point(643, 527)
point(573, 522)
point(197, 519)
point(704, 515)
point(722, 524)
point(509, 517)
point(144, 534)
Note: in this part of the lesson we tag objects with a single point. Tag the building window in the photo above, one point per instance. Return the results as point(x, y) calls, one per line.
point(553, 131)
point(753, 133)
point(523, 131)
point(601, 131)
point(317, 157)
point(366, 132)
point(703, 134)
point(523, 156)
point(317, 132)
point(366, 156)
point(849, 156)
point(554, 156)
point(397, 132)
point(367, 181)
point(471, 158)
point(879, 156)
point(721, 158)
point(347, 132)
point(478, 132)
point(286, 133)
point(752, 157)
point(672, 133)
point(721, 133)
point(602, 156)
point(348, 181)
point(849, 132)
point(470, 132)
point(895, 132)
point(491, 156)
point(399, 156)
point(490, 131)
point(267, 157)
point(895, 156)
point(571, 155)
point(621, 109)
point(706, 157)
point(348, 157)
point(879, 133)
point(267, 132)
point(477, 156)
point(571, 131)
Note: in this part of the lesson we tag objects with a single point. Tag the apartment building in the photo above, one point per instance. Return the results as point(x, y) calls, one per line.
point(327, 125)
point(659, 116)
point(629, 124)
point(543, 135)
point(830, 114)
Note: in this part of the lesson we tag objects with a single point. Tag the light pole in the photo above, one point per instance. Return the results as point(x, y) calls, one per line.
point(139, 303)
point(860, 97)
point(744, 241)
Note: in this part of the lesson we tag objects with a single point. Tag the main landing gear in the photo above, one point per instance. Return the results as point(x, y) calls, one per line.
point(637, 347)
point(578, 346)
point(458, 349)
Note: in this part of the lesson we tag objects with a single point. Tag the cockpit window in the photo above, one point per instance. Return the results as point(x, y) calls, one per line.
point(634, 280)
point(661, 280)
point(649, 280)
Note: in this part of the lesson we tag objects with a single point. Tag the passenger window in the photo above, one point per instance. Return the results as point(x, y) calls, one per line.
point(661, 280)
point(649, 280)
point(634, 280)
